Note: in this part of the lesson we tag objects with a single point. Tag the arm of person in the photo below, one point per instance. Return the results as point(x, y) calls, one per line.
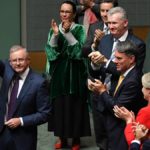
point(123, 113)
point(135, 145)
point(37, 104)
point(126, 98)
point(140, 132)
point(2, 68)
point(75, 39)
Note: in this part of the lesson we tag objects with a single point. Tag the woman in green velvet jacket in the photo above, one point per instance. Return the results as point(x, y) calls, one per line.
point(68, 69)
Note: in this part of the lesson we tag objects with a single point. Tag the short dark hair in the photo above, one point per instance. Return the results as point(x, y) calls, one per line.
point(114, 2)
point(72, 4)
point(127, 47)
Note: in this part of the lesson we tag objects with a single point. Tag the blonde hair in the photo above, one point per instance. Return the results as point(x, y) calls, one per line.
point(146, 80)
point(15, 48)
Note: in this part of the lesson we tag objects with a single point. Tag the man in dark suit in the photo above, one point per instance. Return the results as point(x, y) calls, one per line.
point(118, 26)
point(100, 28)
point(127, 94)
point(103, 60)
point(96, 31)
point(20, 116)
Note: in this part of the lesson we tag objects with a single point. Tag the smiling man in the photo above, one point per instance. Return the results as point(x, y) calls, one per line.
point(24, 102)
point(125, 92)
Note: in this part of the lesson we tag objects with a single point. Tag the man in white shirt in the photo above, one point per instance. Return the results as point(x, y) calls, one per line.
point(20, 114)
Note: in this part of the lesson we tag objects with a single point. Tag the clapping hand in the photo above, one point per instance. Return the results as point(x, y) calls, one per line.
point(54, 27)
point(140, 131)
point(66, 26)
point(97, 58)
point(96, 86)
point(123, 113)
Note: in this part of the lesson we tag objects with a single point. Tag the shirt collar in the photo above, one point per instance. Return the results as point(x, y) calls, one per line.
point(127, 71)
point(24, 74)
point(124, 36)
point(105, 26)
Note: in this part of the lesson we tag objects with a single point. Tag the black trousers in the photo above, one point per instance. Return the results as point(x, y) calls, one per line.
point(99, 120)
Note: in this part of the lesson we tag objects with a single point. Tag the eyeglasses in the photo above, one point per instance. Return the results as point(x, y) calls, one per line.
point(18, 60)
point(66, 12)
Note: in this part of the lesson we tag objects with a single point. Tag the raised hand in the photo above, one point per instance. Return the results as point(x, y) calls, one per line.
point(54, 27)
point(66, 26)
point(123, 113)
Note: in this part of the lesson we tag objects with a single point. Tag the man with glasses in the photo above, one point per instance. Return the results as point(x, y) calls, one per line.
point(24, 102)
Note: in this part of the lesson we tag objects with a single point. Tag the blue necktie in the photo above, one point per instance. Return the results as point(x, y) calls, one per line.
point(13, 97)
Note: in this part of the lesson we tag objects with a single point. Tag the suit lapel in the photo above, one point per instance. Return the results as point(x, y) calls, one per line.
point(107, 46)
point(26, 86)
point(124, 82)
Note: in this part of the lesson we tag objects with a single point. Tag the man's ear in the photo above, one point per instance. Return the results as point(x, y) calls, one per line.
point(125, 23)
point(133, 59)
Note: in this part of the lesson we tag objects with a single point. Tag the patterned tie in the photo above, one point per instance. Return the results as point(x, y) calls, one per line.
point(13, 97)
point(112, 57)
point(106, 30)
point(119, 82)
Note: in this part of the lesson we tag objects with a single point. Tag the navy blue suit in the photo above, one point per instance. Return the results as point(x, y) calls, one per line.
point(106, 45)
point(135, 146)
point(129, 95)
point(32, 105)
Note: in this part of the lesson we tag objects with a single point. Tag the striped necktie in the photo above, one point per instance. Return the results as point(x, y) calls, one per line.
point(112, 57)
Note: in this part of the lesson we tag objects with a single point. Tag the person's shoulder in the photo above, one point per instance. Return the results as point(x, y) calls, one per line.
point(135, 39)
point(145, 110)
point(134, 76)
point(107, 38)
point(36, 76)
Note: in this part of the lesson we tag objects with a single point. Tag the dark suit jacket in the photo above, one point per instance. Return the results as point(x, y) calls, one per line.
point(136, 146)
point(32, 105)
point(105, 47)
point(106, 44)
point(129, 94)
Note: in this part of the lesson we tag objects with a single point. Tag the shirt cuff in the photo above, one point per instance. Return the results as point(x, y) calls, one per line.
point(136, 141)
point(93, 50)
point(21, 120)
point(53, 41)
point(70, 38)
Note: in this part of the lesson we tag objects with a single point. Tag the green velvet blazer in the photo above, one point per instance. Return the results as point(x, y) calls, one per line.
point(66, 64)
